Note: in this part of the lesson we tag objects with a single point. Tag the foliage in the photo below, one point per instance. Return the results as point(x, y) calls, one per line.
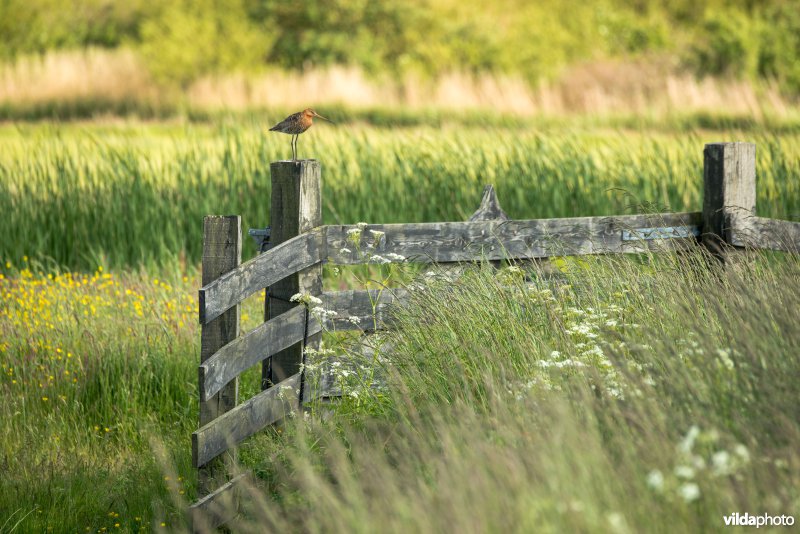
point(780, 51)
point(42, 25)
point(182, 41)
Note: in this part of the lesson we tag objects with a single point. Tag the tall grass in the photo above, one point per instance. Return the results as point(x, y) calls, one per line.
point(649, 394)
point(93, 367)
point(85, 195)
point(653, 396)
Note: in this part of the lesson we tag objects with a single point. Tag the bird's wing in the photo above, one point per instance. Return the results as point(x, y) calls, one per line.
point(285, 122)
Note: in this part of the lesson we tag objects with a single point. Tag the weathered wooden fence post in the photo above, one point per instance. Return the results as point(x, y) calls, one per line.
point(222, 252)
point(729, 192)
point(296, 208)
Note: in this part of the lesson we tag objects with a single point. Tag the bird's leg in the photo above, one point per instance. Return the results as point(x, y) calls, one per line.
point(294, 147)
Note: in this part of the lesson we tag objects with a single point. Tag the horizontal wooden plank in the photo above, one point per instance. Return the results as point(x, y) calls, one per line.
point(257, 345)
point(264, 270)
point(496, 240)
point(218, 507)
point(246, 419)
point(760, 232)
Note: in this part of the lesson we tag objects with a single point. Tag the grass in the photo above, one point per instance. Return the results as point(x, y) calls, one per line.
point(629, 394)
point(93, 367)
point(81, 195)
point(651, 395)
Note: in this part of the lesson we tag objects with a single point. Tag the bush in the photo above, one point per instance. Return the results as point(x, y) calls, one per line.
point(190, 39)
point(779, 57)
point(726, 46)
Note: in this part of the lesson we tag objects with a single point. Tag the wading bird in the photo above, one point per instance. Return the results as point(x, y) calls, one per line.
point(297, 123)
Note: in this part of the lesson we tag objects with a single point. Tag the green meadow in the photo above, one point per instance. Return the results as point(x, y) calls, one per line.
point(651, 393)
point(134, 194)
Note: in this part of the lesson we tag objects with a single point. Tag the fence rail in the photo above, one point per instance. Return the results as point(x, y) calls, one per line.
point(302, 245)
point(758, 232)
point(450, 242)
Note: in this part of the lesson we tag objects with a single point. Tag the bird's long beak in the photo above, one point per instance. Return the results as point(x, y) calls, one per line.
point(317, 115)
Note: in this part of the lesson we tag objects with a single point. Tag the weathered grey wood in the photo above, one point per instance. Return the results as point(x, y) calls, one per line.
point(490, 209)
point(759, 232)
point(218, 507)
point(729, 190)
point(222, 252)
point(257, 345)
point(496, 240)
point(225, 292)
point(296, 208)
point(246, 419)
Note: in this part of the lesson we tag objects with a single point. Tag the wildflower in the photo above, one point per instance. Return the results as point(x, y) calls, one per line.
point(305, 298)
point(395, 257)
point(741, 451)
point(684, 471)
point(379, 259)
point(689, 491)
point(655, 480)
point(721, 462)
point(617, 522)
point(725, 358)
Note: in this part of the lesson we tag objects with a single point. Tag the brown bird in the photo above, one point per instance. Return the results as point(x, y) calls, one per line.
point(297, 123)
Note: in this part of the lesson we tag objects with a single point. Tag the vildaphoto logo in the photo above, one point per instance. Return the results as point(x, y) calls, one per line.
point(763, 520)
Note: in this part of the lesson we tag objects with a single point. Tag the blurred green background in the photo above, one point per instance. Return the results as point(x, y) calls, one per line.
point(180, 40)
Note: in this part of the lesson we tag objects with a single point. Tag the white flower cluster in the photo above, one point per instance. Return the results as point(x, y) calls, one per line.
point(314, 305)
point(306, 298)
point(711, 462)
point(378, 241)
point(587, 329)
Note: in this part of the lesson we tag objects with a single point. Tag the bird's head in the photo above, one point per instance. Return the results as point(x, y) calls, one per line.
point(310, 113)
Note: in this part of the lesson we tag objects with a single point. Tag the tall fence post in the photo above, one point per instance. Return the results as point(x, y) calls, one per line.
point(729, 192)
point(296, 208)
point(222, 252)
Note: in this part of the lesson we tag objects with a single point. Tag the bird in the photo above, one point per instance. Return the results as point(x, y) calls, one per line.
point(297, 123)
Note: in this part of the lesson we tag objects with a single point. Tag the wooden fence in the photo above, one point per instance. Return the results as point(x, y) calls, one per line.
point(300, 245)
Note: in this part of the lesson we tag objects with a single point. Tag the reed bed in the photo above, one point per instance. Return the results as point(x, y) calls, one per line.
point(83, 195)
